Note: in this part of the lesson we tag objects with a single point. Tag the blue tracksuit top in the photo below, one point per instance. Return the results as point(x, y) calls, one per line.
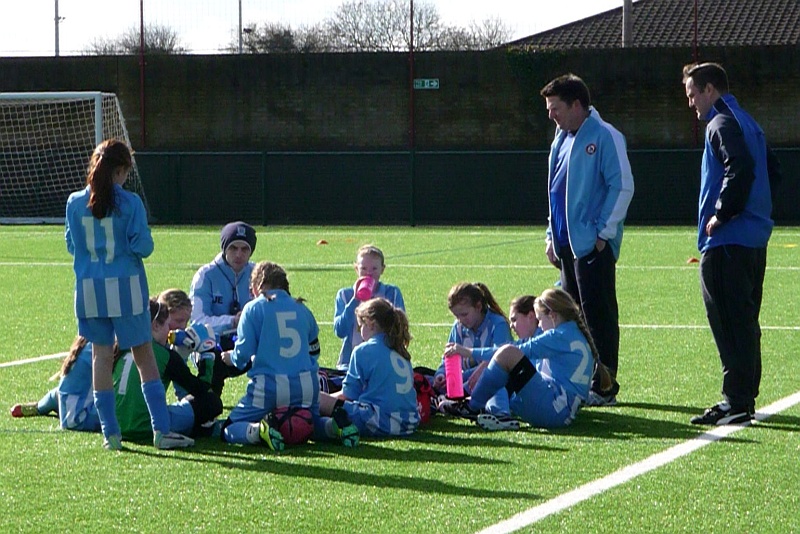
point(212, 292)
point(345, 325)
point(734, 184)
point(599, 185)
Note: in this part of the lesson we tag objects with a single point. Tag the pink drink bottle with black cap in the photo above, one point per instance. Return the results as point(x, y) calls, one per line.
point(365, 286)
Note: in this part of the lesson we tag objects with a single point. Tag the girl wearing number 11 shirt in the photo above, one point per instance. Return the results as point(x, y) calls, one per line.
point(108, 237)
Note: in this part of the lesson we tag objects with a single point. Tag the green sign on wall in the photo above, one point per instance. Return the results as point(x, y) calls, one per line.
point(426, 83)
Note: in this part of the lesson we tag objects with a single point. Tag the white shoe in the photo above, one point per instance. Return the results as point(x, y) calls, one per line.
point(171, 440)
point(595, 399)
point(488, 421)
point(113, 443)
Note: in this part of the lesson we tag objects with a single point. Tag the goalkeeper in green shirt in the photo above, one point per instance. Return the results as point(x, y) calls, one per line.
point(193, 414)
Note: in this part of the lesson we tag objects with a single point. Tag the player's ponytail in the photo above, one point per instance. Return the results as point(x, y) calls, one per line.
point(490, 301)
point(109, 155)
point(72, 356)
point(390, 320)
point(559, 301)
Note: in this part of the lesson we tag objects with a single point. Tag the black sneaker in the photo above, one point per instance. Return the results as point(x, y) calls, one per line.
point(596, 399)
point(459, 408)
point(722, 414)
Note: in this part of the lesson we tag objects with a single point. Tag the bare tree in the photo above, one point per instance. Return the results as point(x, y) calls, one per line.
point(374, 26)
point(277, 38)
point(158, 39)
point(383, 25)
point(491, 32)
point(313, 39)
point(271, 37)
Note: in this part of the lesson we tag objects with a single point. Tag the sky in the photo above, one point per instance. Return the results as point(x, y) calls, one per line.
point(28, 28)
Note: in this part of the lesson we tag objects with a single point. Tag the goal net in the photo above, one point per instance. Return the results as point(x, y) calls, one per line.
point(46, 140)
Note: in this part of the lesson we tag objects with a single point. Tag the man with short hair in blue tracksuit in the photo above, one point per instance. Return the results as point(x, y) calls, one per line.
point(590, 186)
point(736, 191)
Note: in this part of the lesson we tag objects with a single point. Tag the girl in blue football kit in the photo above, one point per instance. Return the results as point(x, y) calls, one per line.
point(108, 237)
point(547, 376)
point(369, 262)
point(522, 317)
point(76, 410)
point(378, 391)
point(480, 322)
point(280, 336)
point(72, 399)
point(523, 321)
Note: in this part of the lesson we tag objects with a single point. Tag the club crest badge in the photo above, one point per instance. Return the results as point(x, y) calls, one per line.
point(591, 148)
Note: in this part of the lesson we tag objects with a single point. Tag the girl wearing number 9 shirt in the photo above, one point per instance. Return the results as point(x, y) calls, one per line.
point(108, 237)
point(378, 392)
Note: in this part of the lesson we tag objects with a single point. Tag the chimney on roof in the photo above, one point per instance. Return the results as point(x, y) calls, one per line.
point(627, 23)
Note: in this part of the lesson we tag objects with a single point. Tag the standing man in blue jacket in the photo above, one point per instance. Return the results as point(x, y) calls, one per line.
point(734, 228)
point(590, 186)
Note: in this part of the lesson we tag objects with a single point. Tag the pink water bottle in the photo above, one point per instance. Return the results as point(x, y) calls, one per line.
point(452, 373)
point(365, 287)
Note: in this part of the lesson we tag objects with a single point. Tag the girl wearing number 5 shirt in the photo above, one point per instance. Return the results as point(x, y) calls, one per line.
point(278, 334)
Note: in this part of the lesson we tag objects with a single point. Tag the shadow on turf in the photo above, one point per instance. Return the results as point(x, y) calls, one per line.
point(691, 410)
point(262, 460)
point(781, 422)
point(602, 423)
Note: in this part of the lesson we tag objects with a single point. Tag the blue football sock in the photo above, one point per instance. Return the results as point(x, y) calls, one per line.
point(107, 412)
point(156, 398)
point(48, 403)
point(493, 378)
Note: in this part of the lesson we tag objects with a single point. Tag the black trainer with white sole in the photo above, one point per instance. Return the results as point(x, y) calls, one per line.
point(723, 414)
point(488, 421)
point(459, 408)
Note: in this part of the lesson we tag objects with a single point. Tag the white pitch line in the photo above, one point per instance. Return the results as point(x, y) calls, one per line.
point(34, 360)
point(630, 472)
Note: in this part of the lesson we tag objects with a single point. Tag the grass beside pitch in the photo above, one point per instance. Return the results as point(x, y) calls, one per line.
point(451, 476)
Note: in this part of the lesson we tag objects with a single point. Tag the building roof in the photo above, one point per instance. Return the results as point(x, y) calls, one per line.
point(671, 23)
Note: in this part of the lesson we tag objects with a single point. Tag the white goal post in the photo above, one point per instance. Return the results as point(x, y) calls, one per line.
point(46, 140)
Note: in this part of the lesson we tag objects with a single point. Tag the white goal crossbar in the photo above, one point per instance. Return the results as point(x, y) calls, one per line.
point(46, 140)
